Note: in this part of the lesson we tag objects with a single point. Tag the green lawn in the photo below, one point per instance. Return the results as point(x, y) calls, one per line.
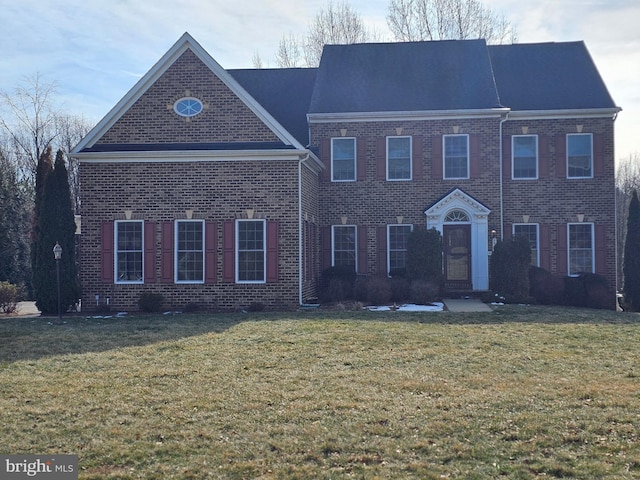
point(520, 392)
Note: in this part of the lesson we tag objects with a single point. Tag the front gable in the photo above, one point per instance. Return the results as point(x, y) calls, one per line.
point(145, 116)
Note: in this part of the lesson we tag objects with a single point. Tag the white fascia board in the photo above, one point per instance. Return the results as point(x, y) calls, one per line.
point(166, 156)
point(404, 116)
point(185, 42)
point(559, 114)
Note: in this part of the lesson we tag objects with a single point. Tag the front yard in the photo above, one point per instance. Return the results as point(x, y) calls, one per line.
point(519, 392)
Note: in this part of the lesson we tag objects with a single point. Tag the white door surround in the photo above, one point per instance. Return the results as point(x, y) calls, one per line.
point(478, 216)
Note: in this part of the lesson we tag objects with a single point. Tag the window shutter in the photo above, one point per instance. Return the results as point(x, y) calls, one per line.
point(382, 249)
point(228, 251)
point(562, 249)
point(326, 247)
point(361, 159)
point(598, 155)
point(107, 252)
point(363, 264)
point(149, 252)
point(167, 252)
point(325, 157)
point(381, 158)
point(210, 254)
point(417, 153)
point(506, 157)
point(436, 157)
point(601, 249)
point(545, 247)
point(475, 158)
point(272, 251)
point(543, 156)
point(561, 156)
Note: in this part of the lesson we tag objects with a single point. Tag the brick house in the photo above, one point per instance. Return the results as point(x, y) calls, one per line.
point(227, 187)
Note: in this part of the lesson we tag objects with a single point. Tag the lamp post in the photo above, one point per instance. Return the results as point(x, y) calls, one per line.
point(57, 254)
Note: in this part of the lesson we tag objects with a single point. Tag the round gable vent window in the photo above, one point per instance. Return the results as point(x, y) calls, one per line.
point(188, 107)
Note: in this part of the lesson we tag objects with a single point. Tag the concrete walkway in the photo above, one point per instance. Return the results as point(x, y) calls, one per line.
point(466, 305)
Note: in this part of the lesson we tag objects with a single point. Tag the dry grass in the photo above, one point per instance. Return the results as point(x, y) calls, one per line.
point(517, 393)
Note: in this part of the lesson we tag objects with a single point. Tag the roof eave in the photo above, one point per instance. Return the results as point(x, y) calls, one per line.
point(565, 113)
point(164, 156)
point(405, 115)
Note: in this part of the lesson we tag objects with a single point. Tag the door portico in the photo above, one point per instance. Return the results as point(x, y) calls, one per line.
point(463, 222)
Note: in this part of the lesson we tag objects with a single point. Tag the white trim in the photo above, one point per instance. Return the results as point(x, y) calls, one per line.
point(593, 248)
point(566, 143)
point(537, 225)
point(513, 157)
point(355, 243)
point(264, 250)
point(333, 117)
point(564, 114)
point(444, 157)
point(355, 159)
point(410, 159)
point(410, 225)
point(478, 215)
point(185, 42)
point(175, 251)
point(116, 251)
point(161, 156)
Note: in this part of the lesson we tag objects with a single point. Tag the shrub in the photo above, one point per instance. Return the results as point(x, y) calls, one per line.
point(423, 292)
point(424, 255)
point(150, 302)
point(256, 307)
point(360, 288)
point(9, 296)
point(509, 267)
point(379, 290)
point(336, 283)
point(399, 289)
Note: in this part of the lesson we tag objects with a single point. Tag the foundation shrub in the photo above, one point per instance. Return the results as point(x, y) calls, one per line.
point(379, 290)
point(509, 268)
point(336, 284)
point(399, 289)
point(9, 296)
point(150, 302)
point(423, 292)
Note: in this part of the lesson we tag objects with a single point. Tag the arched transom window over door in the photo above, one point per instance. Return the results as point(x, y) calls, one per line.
point(456, 216)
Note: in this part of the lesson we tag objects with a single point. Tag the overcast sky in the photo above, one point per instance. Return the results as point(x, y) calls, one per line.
point(96, 50)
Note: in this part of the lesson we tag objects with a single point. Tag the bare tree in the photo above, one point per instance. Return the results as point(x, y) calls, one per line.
point(337, 23)
point(70, 129)
point(416, 20)
point(28, 121)
point(256, 60)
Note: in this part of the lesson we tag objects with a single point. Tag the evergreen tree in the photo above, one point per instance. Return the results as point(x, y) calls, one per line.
point(424, 255)
point(10, 229)
point(54, 224)
point(631, 268)
point(509, 267)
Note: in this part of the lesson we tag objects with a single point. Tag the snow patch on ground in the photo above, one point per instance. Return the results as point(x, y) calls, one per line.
point(409, 307)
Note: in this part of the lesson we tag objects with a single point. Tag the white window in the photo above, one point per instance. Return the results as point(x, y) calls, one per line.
point(344, 246)
point(579, 155)
point(251, 255)
point(189, 255)
point(129, 253)
point(343, 159)
point(397, 240)
point(456, 156)
point(398, 158)
point(525, 156)
point(530, 232)
point(581, 251)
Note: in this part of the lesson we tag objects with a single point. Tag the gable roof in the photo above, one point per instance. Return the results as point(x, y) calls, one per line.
point(185, 42)
point(284, 92)
point(548, 76)
point(412, 76)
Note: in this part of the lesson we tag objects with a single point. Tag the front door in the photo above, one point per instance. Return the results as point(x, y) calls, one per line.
point(457, 256)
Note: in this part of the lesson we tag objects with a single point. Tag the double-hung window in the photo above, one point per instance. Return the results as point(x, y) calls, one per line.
point(530, 232)
point(579, 155)
point(397, 240)
point(189, 255)
point(525, 156)
point(456, 156)
point(343, 159)
point(251, 254)
point(344, 246)
point(129, 251)
point(398, 158)
point(581, 251)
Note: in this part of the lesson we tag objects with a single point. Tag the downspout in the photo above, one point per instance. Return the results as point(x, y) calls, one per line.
point(500, 154)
